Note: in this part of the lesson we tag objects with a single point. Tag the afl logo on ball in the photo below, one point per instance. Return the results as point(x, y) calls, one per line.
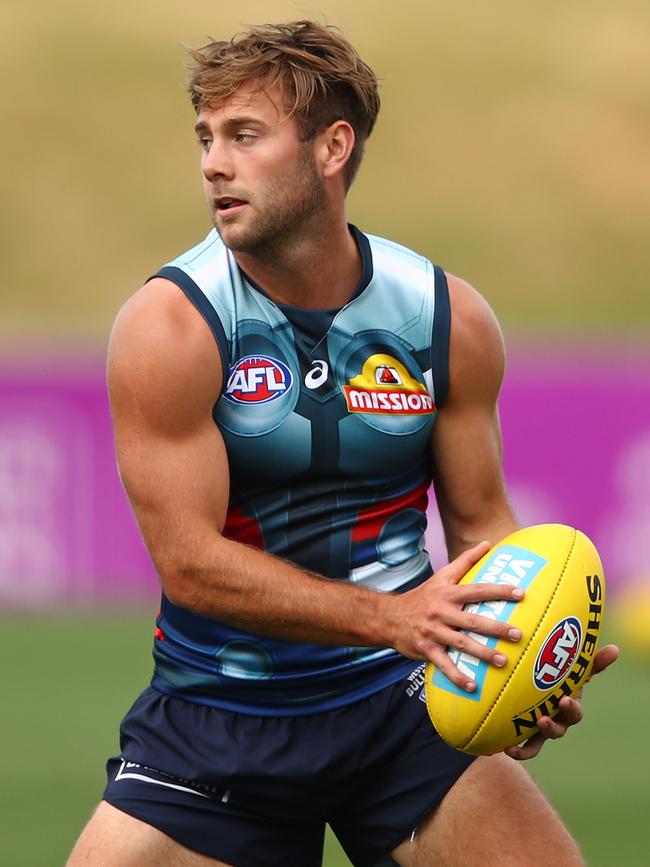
point(257, 379)
point(558, 653)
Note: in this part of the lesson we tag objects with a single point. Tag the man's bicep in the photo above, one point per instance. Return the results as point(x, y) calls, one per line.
point(466, 441)
point(178, 486)
point(172, 460)
point(468, 477)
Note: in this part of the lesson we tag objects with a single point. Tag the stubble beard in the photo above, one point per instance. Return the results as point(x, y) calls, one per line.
point(284, 211)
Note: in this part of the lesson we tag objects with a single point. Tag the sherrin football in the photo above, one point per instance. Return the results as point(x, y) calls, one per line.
point(559, 617)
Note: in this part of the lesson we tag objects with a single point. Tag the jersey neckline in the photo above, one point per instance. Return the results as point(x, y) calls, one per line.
point(367, 269)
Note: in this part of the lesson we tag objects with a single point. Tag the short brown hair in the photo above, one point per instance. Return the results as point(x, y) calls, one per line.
point(321, 77)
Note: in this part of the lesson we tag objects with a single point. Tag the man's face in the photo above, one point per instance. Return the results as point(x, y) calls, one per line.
point(260, 181)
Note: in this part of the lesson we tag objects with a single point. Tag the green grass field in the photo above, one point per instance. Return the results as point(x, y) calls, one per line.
point(68, 680)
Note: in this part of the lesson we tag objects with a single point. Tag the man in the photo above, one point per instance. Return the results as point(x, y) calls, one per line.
point(282, 396)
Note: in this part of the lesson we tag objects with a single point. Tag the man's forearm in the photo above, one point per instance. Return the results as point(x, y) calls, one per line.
point(459, 536)
point(257, 591)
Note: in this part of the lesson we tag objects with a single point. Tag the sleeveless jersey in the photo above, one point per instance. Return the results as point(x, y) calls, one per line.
point(326, 417)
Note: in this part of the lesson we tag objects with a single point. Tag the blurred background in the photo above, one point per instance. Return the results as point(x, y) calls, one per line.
point(512, 148)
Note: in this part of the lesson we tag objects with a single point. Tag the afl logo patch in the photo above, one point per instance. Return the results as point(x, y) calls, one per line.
point(257, 379)
point(558, 653)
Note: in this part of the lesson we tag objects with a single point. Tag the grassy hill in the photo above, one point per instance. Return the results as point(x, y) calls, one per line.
point(512, 148)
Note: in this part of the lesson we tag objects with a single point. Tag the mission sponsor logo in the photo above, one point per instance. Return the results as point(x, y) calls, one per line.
point(385, 386)
point(257, 379)
point(558, 653)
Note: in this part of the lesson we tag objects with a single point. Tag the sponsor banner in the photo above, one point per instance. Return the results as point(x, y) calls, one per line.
point(384, 385)
point(381, 400)
point(576, 450)
point(511, 565)
point(67, 534)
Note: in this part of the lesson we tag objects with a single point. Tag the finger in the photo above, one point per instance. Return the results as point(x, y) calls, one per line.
point(604, 658)
point(549, 729)
point(478, 625)
point(443, 663)
point(465, 594)
point(570, 711)
point(552, 729)
point(528, 750)
point(468, 644)
point(454, 571)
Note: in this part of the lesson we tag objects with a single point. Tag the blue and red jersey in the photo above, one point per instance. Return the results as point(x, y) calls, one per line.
point(326, 416)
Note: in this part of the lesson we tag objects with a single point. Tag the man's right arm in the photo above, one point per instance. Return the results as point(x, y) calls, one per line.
point(164, 374)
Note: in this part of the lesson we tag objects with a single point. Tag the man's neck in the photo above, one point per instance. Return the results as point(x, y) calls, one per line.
point(317, 270)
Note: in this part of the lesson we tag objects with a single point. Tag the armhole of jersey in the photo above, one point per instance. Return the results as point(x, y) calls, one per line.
point(440, 337)
point(207, 311)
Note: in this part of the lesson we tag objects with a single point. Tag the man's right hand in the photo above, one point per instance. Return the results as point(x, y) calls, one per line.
point(429, 619)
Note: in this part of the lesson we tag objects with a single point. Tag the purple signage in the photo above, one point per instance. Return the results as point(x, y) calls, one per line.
point(576, 451)
point(66, 530)
point(576, 432)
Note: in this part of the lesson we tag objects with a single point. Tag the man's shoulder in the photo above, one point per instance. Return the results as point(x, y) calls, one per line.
point(161, 316)
point(470, 309)
point(159, 347)
point(477, 351)
point(392, 251)
point(208, 254)
point(155, 316)
point(208, 277)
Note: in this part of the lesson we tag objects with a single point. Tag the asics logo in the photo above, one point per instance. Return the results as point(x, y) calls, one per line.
point(317, 375)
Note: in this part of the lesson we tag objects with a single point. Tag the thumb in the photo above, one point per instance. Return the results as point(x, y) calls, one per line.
point(604, 658)
point(454, 571)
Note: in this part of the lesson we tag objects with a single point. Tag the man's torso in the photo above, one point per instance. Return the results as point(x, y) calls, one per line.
point(326, 417)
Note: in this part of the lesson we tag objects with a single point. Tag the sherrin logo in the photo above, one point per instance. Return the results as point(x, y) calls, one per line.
point(558, 653)
point(385, 386)
point(257, 379)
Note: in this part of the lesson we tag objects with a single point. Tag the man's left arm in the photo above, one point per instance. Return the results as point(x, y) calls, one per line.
point(467, 462)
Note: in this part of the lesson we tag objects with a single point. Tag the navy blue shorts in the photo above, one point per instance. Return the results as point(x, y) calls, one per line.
point(257, 791)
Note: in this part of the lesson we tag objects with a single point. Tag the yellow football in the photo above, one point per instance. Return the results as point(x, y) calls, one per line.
point(560, 618)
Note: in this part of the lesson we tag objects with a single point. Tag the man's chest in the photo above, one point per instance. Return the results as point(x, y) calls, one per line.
point(354, 402)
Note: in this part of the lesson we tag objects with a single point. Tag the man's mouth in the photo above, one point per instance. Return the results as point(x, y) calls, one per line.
point(224, 204)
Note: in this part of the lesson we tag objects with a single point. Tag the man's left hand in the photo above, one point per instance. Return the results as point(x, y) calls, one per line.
point(570, 712)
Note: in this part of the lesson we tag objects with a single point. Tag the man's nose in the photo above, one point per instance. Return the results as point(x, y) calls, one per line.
point(217, 163)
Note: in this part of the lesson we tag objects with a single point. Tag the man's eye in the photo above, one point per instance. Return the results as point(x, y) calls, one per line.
point(244, 137)
point(205, 143)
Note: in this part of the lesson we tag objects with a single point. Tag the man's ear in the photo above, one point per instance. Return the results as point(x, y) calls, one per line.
point(333, 147)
